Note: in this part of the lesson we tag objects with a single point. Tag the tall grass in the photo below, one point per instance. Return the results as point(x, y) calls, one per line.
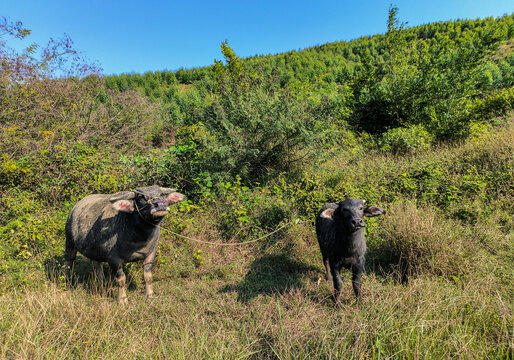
point(195, 318)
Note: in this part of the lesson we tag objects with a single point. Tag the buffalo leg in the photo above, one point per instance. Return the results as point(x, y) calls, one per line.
point(327, 267)
point(338, 282)
point(356, 279)
point(147, 274)
point(69, 257)
point(121, 280)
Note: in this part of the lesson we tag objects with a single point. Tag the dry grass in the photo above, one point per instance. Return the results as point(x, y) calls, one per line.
point(197, 319)
point(255, 303)
point(420, 241)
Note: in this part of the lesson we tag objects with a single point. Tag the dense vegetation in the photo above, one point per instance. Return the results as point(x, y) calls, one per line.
point(417, 120)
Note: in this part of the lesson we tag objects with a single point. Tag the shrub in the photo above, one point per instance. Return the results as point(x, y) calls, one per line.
point(406, 139)
point(254, 127)
point(421, 241)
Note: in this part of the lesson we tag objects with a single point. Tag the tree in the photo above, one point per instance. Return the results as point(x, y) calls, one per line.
point(427, 82)
point(255, 127)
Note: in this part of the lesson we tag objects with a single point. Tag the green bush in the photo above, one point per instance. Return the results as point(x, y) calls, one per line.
point(254, 127)
point(430, 82)
point(406, 139)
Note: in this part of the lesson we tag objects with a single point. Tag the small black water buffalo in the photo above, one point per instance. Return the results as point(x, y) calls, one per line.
point(118, 228)
point(340, 231)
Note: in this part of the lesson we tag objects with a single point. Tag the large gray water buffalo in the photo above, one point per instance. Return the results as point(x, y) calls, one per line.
point(340, 231)
point(118, 228)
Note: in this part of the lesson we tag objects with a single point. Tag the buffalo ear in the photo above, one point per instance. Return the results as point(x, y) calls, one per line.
point(327, 214)
point(338, 211)
point(175, 197)
point(122, 201)
point(371, 211)
point(124, 205)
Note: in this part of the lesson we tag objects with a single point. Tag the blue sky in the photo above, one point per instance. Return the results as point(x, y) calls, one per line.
point(139, 36)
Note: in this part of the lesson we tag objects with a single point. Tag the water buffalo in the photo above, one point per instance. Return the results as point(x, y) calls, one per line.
point(118, 228)
point(340, 231)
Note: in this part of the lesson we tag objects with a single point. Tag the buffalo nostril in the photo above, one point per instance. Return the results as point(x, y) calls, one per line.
point(357, 222)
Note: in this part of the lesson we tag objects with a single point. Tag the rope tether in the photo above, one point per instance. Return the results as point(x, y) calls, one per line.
point(227, 244)
point(296, 221)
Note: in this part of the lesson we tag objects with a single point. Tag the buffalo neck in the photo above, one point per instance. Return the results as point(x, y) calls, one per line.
point(142, 226)
point(355, 241)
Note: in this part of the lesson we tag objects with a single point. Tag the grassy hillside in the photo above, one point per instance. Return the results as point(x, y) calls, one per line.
point(262, 300)
point(418, 121)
